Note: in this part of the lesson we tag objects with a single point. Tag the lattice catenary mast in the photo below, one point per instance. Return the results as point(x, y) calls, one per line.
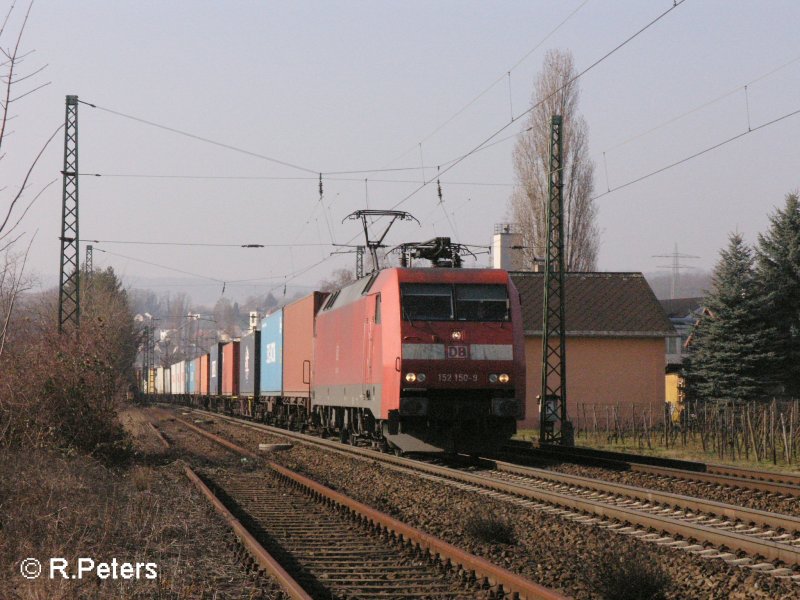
point(69, 309)
point(88, 263)
point(554, 426)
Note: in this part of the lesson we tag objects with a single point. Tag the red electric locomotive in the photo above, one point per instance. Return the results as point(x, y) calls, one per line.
point(421, 360)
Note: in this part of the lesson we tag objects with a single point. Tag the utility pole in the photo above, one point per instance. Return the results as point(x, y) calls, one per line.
point(675, 267)
point(553, 423)
point(146, 361)
point(87, 263)
point(151, 359)
point(69, 312)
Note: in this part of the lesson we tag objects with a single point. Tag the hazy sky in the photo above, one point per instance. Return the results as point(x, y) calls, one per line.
point(354, 86)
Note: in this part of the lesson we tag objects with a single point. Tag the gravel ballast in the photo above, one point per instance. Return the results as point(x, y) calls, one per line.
point(548, 549)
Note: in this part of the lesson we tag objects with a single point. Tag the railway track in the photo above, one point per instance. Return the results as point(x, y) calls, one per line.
point(786, 484)
point(743, 537)
point(320, 544)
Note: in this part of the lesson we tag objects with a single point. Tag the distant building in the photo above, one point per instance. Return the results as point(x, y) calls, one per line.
point(615, 336)
point(683, 313)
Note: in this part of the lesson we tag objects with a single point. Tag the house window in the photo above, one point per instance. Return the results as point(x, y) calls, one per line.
point(673, 345)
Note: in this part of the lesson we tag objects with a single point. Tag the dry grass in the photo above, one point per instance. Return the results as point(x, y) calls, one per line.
point(51, 506)
point(142, 478)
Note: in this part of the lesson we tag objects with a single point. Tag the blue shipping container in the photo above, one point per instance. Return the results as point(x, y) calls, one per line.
point(190, 382)
point(272, 354)
point(187, 366)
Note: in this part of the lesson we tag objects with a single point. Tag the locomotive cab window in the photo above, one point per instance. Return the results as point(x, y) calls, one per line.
point(476, 302)
point(427, 302)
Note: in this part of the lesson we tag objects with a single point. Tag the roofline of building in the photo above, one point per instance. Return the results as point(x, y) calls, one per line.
point(618, 334)
point(582, 273)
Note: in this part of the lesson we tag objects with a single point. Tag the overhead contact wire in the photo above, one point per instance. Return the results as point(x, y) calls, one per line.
point(203, 139)
point(533, 107)
point(696, 154)
point(152, 264)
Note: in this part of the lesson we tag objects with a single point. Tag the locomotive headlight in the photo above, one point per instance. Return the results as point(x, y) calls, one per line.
point(503, 378)
point(457, 335)
point(492, 378)
point(411, 377)
point(421, 377)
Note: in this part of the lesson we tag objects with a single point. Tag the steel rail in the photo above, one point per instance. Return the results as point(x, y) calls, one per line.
point(718, 537)
point(257, 551)
point(496, 576)
point(766, 481)
point(739, 513)
point(730, 511)
point(158, 434)
point(721, 478)
point(760, 475)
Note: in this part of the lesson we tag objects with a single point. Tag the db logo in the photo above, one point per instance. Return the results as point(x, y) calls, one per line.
point(457, 352)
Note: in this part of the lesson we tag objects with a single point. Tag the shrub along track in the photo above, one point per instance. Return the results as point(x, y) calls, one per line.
point(560, 552)
point(318, 540)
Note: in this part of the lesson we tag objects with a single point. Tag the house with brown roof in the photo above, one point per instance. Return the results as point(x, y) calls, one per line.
point(683, 313)
point(615, 340)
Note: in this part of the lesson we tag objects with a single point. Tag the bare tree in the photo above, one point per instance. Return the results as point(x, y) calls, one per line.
point(338, 279)
point(12, 200)
point(556, 93)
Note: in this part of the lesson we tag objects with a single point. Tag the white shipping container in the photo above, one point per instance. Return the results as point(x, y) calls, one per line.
point(159, 380)
point(178, 372)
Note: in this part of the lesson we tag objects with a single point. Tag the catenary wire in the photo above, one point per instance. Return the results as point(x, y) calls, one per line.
point(203, 244)
point(696, 154)
point(483, 144)
point(242, 150)
point(269, 178)
point(619, 46)
point(506, 73)
point(504, 127)
point(342, 172)
point(152, 264)
point(702, 106)
point(201, 138)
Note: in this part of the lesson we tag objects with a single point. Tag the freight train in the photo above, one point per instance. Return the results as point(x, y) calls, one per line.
point(405, 359)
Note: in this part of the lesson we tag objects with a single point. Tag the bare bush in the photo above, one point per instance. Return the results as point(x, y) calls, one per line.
point(633, 575)
point(489, 528)
point(63, 392)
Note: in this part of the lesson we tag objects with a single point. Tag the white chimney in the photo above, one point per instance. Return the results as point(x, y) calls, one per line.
point(507, 247)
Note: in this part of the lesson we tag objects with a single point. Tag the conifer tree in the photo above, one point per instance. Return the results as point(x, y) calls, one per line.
point(778, 268)
point(732, 344)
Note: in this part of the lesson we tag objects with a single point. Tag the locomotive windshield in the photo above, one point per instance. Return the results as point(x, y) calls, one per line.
point(481, 302)
point(427, 302)
point(473, 302)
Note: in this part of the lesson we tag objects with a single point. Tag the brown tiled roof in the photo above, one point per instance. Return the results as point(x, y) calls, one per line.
point(597, 304)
